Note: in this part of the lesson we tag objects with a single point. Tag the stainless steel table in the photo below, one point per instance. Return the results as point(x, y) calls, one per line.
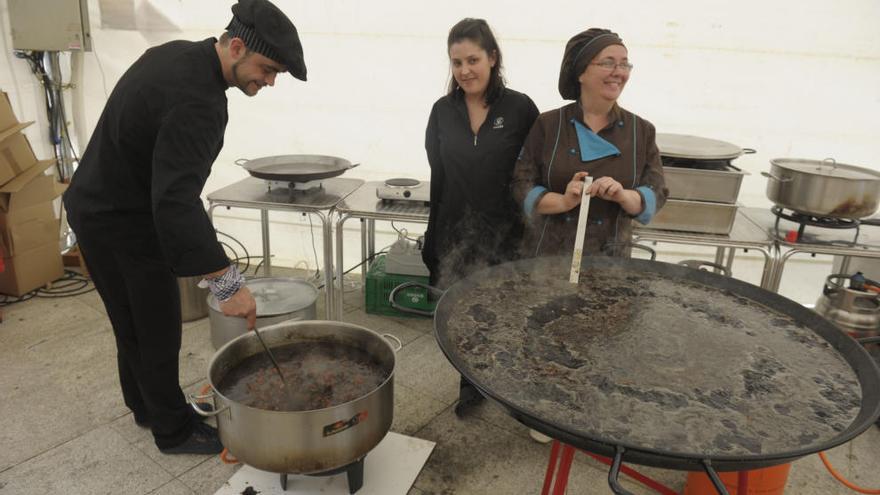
point(815, 240)
point(745, 234)
point(364, 204)
point(255, 194)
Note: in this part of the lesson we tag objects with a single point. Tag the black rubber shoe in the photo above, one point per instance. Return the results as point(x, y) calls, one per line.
point(204, 406)
point(203, 441)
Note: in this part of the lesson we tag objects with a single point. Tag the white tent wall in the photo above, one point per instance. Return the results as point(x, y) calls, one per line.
point(788, 78)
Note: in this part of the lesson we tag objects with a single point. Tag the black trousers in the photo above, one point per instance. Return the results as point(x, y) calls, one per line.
point(143, 302)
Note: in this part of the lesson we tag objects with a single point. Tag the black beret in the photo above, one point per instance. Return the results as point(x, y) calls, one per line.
point(267, 31)
point(579, 51)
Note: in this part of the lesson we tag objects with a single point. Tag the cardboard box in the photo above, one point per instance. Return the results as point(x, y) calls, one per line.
point(31, 269)
point(16, 154)
point(30, 188)
point(7, 116)
point(27, 228)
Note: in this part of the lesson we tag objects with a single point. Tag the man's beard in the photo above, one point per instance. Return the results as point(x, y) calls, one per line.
point(238, 82)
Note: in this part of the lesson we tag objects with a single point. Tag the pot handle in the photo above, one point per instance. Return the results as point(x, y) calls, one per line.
point(394, 339)
point(614, 473)
point(393, 296)
point(610, 248)
point(193, 398)
point(699, 264)
point(353, 165)
point(777, 179)
point(749, 151)
point(713, 476)
point(241, 162)
point(868, 340)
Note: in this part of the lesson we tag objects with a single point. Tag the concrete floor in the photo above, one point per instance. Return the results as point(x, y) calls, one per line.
point(65, 430)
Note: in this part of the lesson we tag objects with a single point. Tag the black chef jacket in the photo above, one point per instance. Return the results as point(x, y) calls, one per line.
point(473, 219)
point(151, 152)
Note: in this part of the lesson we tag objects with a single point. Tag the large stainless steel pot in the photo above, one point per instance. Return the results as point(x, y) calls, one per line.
point(303, 442)
point(278, 299)
point(193, 302)
point(823, 187)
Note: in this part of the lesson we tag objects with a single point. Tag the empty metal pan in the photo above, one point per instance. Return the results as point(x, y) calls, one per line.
point(696, 148)
point(296, 168)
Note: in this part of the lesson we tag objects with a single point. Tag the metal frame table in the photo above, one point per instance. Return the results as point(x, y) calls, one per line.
point(365, 205)
point(255, 194)
point(816, 240)
point(745, 235)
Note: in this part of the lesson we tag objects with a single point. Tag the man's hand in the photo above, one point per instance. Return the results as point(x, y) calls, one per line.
point(242, 305)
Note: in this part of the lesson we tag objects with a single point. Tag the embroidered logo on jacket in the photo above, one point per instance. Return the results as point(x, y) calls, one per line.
point(499, 123)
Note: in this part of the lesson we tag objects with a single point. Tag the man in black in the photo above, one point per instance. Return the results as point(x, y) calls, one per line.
point(134, 204)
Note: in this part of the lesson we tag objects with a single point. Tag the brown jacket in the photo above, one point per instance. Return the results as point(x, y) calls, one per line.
point(551, 156)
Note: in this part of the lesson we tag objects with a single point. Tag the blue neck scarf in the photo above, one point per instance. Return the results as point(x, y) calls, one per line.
point(592, 146)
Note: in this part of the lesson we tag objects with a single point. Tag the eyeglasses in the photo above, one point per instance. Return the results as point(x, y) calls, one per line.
point(609, 65)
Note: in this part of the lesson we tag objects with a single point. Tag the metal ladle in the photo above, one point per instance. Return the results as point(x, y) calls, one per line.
point(271, 357)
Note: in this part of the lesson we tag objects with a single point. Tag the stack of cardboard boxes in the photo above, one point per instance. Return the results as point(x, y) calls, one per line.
point(29, 229)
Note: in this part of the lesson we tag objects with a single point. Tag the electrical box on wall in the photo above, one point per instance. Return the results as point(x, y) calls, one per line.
point(50, 25)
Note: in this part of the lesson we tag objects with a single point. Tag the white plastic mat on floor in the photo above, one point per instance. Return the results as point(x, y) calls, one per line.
point(389, 469)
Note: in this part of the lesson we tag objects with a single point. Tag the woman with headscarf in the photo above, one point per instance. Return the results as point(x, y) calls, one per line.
point(591, 136)
point(473, 137)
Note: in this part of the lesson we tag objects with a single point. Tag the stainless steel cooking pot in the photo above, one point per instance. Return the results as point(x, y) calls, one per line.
point(823, 187)
point(303, 442)
point(278, 299)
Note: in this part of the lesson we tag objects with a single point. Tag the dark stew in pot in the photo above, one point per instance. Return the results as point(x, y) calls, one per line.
point(318, 375)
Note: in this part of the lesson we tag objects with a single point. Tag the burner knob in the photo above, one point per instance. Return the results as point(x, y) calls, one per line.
point(407, 194)
point(791, 236)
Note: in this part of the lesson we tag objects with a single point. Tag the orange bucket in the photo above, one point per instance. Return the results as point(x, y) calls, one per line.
point(767, 481)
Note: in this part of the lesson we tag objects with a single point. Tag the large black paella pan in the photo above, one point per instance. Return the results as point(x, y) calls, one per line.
point(658, 364)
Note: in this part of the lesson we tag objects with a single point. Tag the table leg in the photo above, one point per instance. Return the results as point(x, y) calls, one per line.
point(780, 266)
point(328, 264)
point(340, 287)
point(371, 239)
point(551, 468)
point(719, 258)
point(564, 470)
point(366, 266)
point(767, 273)
point(731, 252)
point(264, 226)
point(742, 485)
point(844, 265)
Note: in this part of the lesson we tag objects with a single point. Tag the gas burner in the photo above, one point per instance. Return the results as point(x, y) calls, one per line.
point(354, 472)
point(804, 219)
point(285, 187)
point(402, 189)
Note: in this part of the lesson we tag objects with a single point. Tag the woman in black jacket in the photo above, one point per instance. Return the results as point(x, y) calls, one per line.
point(474, 135)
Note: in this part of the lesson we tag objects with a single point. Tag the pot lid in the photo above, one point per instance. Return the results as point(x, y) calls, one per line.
point(826, 168)
point(696, 148)
point(277, 295)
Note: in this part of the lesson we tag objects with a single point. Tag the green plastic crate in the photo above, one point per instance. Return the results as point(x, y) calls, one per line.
point(380, 284)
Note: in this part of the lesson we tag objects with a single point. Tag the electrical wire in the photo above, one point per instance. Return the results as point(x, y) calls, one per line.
point(100, 68)
point(236, 257)
point(71, 284)
point(314, 250)
point(403, 233)
point(369, 258)
point(839, 477)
